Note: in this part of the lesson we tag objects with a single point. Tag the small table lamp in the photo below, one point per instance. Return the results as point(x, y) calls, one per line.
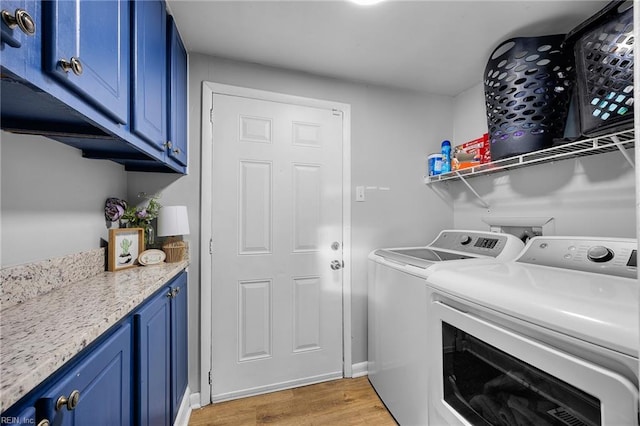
point(172, 222)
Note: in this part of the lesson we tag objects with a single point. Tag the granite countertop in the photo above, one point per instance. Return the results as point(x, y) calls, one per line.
point(38, 335)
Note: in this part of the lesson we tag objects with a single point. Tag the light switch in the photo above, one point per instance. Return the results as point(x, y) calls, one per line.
point(359, 193)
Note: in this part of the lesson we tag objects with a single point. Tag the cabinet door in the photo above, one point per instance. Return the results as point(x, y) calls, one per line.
point(20, 44)
point(150, 72)
point(87, 51)
point(152, 326)
point(177, 96)
point(179, 343)
point(103, 381)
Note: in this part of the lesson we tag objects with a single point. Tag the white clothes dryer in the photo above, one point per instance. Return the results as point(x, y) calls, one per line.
point(398, 312)
point(550, 338)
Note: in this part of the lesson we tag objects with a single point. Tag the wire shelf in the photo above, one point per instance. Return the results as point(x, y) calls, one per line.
point(597, 145)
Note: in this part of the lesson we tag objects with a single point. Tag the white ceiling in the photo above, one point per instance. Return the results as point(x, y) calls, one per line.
point(437, 47)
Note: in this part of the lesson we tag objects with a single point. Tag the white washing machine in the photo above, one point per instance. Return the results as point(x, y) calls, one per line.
point(397, 332)
point(550, 338)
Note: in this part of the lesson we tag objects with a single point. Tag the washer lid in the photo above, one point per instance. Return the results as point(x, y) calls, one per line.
point(421, 257)
point(596, 308)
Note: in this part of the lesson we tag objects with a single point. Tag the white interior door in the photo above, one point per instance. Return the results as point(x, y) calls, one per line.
point(277, 228)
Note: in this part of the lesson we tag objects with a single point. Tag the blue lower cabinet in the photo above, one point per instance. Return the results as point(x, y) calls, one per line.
point(97, 390)
point(179, 343)
point(134, 374)
point(161, 331)
point(153, 333)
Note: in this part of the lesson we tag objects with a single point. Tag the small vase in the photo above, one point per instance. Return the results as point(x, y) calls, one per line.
point(149, 236)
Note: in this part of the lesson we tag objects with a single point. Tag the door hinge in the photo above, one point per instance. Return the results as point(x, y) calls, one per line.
point(210, 245)
point(211, 115)
point(337, 112)
point(210, 380)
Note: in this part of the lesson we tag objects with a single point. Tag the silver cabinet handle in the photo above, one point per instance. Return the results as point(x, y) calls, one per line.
point(20, 19)
point(73, 64)
point(336, 264)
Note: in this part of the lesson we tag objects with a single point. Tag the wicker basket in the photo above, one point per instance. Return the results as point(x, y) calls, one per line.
point(175, 251)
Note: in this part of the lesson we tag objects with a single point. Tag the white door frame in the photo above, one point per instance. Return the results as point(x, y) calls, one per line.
point(206, 205)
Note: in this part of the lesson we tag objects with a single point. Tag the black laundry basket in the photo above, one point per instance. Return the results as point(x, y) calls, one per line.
point(527, 87)
point(603, 48)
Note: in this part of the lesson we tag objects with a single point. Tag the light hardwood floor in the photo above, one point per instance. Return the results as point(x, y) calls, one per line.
point(338, 402)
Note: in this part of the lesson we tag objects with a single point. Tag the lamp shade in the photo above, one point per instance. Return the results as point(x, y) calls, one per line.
point(172, 221)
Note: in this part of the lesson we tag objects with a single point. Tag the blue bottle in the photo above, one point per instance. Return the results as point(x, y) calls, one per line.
point(446, 156)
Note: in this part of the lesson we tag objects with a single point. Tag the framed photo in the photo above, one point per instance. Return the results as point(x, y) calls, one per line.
point(125, 244)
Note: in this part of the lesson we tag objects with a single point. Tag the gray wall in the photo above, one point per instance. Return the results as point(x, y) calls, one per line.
point(588, 196)
point(52, 199)
point(392, 132)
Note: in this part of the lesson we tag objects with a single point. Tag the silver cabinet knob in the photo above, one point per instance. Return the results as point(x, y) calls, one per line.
point(71, 402)
point(73, 64)
point(336, 264)
point(20, 19)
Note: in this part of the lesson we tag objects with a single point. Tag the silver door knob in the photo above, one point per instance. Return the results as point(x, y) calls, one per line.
point(335, 246)
point(336, 264)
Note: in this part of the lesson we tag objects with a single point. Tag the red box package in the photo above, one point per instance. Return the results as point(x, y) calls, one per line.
point(472, 153)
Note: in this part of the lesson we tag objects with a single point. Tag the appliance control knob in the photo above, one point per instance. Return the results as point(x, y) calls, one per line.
point(599, 254)
point(465, 240)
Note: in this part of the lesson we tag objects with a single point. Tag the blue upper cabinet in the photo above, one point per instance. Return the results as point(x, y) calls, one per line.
point(87, 50)
point(21, 35)
point(96, 75)
point(177, 126)
point(149, 72)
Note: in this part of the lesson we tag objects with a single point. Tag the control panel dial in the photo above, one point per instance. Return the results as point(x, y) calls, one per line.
point(599, 254)
point(465, 239)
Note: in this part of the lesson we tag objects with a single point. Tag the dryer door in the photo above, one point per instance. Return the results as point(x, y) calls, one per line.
point(487, 374)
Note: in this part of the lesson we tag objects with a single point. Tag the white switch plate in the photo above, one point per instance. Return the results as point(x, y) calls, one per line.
point(359, 193)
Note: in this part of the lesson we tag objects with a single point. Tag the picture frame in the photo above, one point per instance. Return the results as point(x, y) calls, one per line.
point(125, 245)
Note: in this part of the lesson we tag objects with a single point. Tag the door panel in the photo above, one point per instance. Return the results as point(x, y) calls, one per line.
point(307, 313)
point(306, 202)
point(254, 319)
point(255, 207)
point(277, 208)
